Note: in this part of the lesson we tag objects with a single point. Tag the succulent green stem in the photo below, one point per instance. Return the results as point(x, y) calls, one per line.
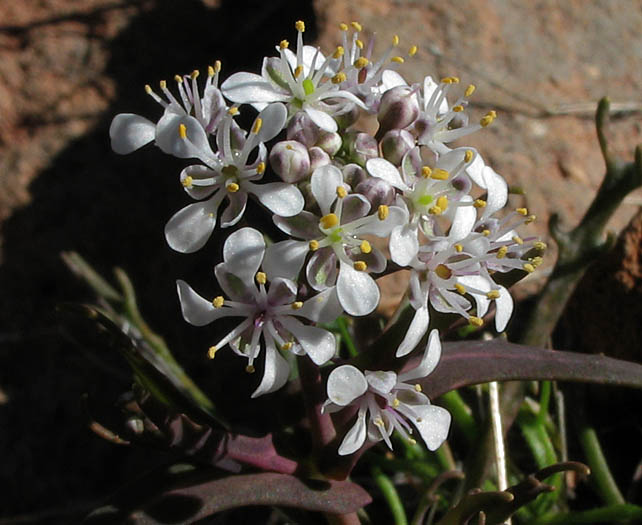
point(390, 494)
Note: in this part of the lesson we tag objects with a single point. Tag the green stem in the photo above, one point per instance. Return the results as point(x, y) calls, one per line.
point(544, 401)
point(391, 495)
point(602, 478)
point(461, 414)
point(346, 337)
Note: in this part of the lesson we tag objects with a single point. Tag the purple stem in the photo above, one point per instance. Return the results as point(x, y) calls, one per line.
point(314, 396)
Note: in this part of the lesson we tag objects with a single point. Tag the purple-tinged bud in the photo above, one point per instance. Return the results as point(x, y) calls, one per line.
point(302, 129)
point(395, 144)
point(398, 109)
point(290, 160)
point(306, 190)
point(360, 147)
point(329, 142)
point(347, 116)
point(318, 158)
point(353, 174)
point(377, 191)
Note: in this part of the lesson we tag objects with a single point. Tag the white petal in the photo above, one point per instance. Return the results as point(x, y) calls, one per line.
point(285, 259)
point(481, 283)
point(504, 304)
point(433, 425)
point(322, 308)
point(236, 203)
point(381, 381)
point(355, 437)
point(168, 139)
point(415, 332)
point(345, 384)
point(463, 221)
point(386, 171)
point(243, 252)
point(396, 217)
point(321, 119)
point(429, 361)
point(277, 371)
point(128, 132)
point(282, 291)
point(390, 79)
point(358, 292)
point(279, 197)
point(323, 184)
point(318, 343)
point(403, 244)
point(497, 191)
point(248, 87)
point(475, 171)
point(274, 117)
point(196, 309)
point(189, 229)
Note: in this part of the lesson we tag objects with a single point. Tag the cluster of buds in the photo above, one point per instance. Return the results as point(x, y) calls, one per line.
point(334, 188)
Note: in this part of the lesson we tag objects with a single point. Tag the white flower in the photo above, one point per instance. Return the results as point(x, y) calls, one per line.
point(270, 313)
point(386, 403)
point(301, 80)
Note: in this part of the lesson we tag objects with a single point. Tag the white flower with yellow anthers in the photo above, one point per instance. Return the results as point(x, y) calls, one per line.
point(129, 132)
point(227, 174)
point(304, 81)
point(386, 402)
point(341, 255)
point(270, 312)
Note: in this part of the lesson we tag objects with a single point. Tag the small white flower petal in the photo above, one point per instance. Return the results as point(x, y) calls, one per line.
point(429, 361)
point(243, 253)
point(475, 171)
point(386, 171)
point(273, 117)
point(355, 437)
point(381, 381)
point(279, 197)
point(433, 424)
point(304, 225)
point(323, 184)
point(285, 259)
point(189, 229)
point(415, 332)
point(129, 132)
point(282, 291)
point(345, 384)
point(403, 244)
point(321, 119)
point(197, 310)
point(463, 221)
point(481, 284)
point(246, 88)
point(396, 216)
point(504, 304)
point(234, 210)
point(358, 292)
point(497, 191)
point(276, 373)
point(322, 308)
point(317, 343)
point(168, 138)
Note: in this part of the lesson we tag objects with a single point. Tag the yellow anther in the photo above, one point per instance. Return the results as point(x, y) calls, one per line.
point(260, 277)
point(287, 346)
point(297, 305)
point(297, 71)
point(492, 113)
point(476, 321)
point(412, 441)
point(195, 74)
point(341, 192)
point(395, 403)
point(446, 80)
point(530, 219)
point(435, 210)
point(361, 62)
point(501, 253)
point(260, 168)
point(539, 245)
point(339, 77)
point(162, 84)
point(382, 212)
point(493, 294)
point(187, 181)
point(468, 156)
point(218, 301)
point(439, 174)
point(284, 44)
point(412, 51)
point(313, 245)
point(338, 52)
point(517, 239)
point(360, 266)
point(479, 203)
point(459, 248)
point(536, 261)
point(395, 40)
point(343, 27)
point(232, 187)
point(426, 172)
point(329, 221)
point(365, 247)
point(418, 387)
point(299, 25)
point(258, 124)
point(148, 89)
point(211, 352)
point(485, 233)
point(458, 108)
point(178, 78)
point(182, 131)
point(233, 111)
point(398, 60)
point(217, 66)
point(210, 215)
point(470, 90)
point(359, 43)
point(522, 211)
point(379, 422)
point(356, 26)
point(486, 121)
point(443, 271)
point(454, 80)
point(528, 267)
point(210, 71)
point(442, 202)
point(250, 369)
point(461, 289)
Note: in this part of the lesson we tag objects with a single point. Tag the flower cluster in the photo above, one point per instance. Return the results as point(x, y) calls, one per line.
point(343, 199)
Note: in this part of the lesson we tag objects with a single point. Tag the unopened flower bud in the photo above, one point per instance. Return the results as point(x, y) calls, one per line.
point(398, 109)
point(318, 158)
point(353, 174)
point(347, 116)
point(377, 191)
point(395, 144)
point(303, 130)
point(361, 147)
point(329, 142)
point(290, 160)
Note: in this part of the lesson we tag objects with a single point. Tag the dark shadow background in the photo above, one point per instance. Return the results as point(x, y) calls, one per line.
point(112, 211)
